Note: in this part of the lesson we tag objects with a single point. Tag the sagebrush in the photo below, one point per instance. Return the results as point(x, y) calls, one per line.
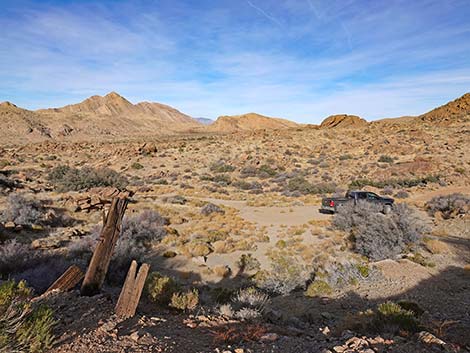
point(379, 236)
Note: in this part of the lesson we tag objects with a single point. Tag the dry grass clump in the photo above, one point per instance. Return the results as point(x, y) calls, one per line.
point(318, 288)
point(436, 246)
point(186, 301)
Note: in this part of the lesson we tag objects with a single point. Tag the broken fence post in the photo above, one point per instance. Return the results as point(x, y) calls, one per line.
point(129, 298)
point(101, 258)
point(68, 280)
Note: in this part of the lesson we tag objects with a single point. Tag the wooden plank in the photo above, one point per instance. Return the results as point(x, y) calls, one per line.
point(131, 291)
point(99, 264)
point(69, 279)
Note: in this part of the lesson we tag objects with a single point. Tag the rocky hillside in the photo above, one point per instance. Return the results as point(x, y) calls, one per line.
point(457, 110)
point(343, 121)
point(95, 117)
point(249, 122)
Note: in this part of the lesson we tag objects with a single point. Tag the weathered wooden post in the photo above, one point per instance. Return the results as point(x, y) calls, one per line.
point(131, 291)
point(101, 258)
point(68, 280)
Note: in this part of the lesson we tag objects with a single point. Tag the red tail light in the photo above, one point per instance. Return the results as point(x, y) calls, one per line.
point(332, 203)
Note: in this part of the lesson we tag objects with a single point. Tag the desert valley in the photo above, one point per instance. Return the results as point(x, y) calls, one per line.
point(227, 216)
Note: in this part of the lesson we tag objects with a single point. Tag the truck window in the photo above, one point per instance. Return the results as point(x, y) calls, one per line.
point(361, 195)
point(372, 196)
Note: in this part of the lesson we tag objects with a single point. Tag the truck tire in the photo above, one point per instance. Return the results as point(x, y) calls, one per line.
point(387, 209)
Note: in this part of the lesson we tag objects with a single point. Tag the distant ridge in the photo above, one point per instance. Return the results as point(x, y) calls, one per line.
point(110, 116)
point(204, 121)
point(249, 122)
point(343, 121)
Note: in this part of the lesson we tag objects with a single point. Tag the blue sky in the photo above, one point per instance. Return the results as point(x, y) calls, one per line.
point(298, 59)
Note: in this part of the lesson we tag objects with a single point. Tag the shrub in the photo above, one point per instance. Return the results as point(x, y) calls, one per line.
point(137, 166)
point(285, 276)
point(138, 233)
point(159, 288)
point(66, 178)
point(402, 194)
point(318, 288)
point(385, 159)
point(249, 263)
point(345, 157)
point(380, 236)
point(389, 317)
point(404, 183)
point(23, 327)
point(449, 206)
point(301, 185)
point(39, 268)
point(211, 208)
point(248, 304)
point(221, 167)
point(392, 316)
point(187, 301)
point(23, 210)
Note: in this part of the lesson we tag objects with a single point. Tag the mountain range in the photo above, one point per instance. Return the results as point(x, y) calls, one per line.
point(112, 116)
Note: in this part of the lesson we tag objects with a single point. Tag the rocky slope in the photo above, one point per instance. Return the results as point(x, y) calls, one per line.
point(456, 110)
point(249, 122)
point(96, 117)
point(343, 121)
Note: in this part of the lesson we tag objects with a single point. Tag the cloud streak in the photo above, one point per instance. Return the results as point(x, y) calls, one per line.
point(318, 58)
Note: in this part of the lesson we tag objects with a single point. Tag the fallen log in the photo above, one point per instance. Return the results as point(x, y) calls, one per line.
point(68, 280)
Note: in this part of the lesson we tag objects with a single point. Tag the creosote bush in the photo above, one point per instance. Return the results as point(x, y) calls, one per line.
point(449, 206)
point(66, 178)
point(160, 288)
point(24, 327)
point(380, 236)
point(301, 185)
point(389, 317)
point(186, 301)
point(318, 288)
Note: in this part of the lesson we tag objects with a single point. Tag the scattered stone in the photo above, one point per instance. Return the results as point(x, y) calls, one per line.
point(429, 338)
point(269, 337)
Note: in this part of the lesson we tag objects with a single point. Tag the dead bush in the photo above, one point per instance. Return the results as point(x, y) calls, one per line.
point(449, 206)
point(23, 210)
point(380, 236)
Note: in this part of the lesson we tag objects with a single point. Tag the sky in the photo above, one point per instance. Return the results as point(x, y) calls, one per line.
point(298, 59)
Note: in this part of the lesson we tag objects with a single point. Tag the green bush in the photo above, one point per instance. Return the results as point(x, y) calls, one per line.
point(221, 167)
point(395, 183)
point(23, 326)
point(392, 315)
point(159, 288)
point(249, 263)
point(318, 288)
point(66, 178)
point(300, 184)
point(187, 301)
point(385, 159)
point(137, 166)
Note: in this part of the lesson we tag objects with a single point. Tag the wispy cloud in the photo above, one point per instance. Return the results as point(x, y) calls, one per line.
point(319, 58)
point(265, 14)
